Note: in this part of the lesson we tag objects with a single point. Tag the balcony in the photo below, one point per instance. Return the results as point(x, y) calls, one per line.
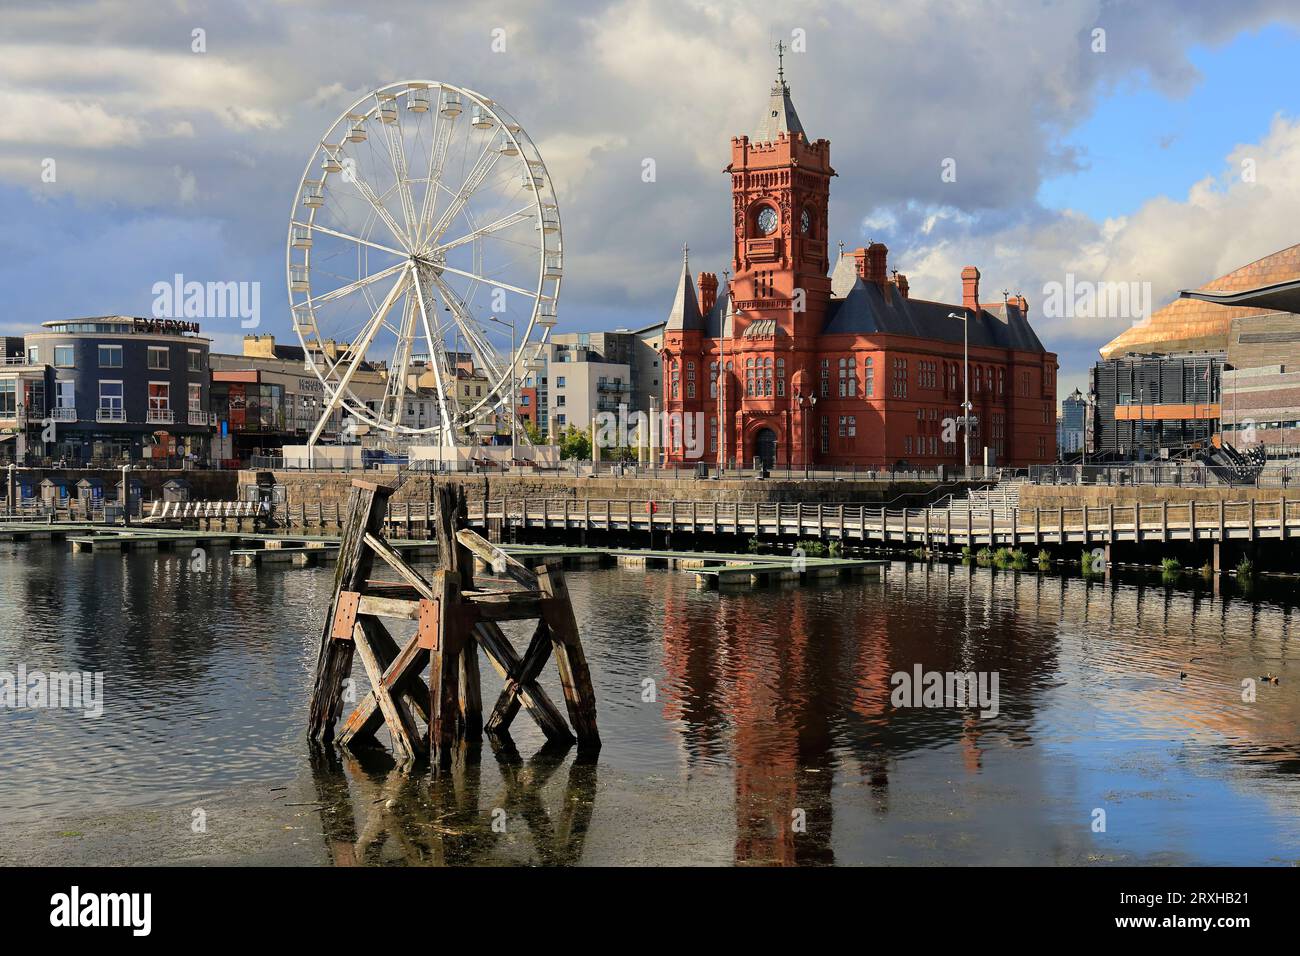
point(203, 418)
point(64, 413)
point(159, 416)
point(110, 414)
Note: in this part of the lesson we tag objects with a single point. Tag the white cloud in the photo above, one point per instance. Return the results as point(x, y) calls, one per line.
point(45, 120)
point(138, 121)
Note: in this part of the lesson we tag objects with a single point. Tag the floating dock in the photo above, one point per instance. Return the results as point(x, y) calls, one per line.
point(712, 569)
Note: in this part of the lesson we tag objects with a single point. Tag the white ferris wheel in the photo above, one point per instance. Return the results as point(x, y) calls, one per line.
point(424, 246)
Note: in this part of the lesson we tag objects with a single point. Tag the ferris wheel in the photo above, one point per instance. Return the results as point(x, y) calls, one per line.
point(424, 259)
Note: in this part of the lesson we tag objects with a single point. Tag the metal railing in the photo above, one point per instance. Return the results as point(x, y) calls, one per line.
point(1173, 474)
point(1087, 524)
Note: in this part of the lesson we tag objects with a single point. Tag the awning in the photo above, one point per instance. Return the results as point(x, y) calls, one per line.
point(1279, 296)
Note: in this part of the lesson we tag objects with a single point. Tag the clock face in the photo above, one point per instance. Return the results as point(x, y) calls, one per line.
point(767, 221)
point(805, 222)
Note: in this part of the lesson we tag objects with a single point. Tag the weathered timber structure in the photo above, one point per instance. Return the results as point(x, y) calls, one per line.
point(453, 619)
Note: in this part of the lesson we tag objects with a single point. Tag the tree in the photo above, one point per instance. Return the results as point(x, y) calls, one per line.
point(534, 434)
point(574, 443)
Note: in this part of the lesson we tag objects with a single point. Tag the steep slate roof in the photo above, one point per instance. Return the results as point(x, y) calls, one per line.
point(684, 316)
point(780, 117)
point(866, 309)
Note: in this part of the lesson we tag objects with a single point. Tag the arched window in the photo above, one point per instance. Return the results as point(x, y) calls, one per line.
point(780, 378)
point(749, 377)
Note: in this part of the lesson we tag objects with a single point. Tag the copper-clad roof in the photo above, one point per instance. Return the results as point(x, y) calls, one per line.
point(1194, 325)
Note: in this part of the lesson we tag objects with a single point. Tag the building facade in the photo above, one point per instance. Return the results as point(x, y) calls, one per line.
point(109, 389)
point(1150, 406)
point(804, 359)
point(1221, 363)
point(1073, 432)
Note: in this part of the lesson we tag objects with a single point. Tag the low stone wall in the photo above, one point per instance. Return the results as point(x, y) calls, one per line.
point(328, 488)
point(1076, 496)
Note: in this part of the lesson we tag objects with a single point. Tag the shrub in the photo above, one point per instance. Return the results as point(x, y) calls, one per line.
point(812, 548)
point(1171, 566)
point(1245, 568)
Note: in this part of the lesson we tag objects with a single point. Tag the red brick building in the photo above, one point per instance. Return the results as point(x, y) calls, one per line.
point(803, 359)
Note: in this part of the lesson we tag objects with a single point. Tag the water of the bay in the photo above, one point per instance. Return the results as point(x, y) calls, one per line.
point(753, 727)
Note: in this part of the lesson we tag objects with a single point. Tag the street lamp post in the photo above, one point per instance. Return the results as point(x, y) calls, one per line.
point(513, 399)
point(811, 401)
point(965, 383)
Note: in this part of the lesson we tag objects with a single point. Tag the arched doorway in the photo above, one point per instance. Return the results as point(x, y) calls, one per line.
point(765, 447)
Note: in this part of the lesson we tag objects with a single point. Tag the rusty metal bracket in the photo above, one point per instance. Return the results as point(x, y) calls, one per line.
point(427, 630)
point(345, 615)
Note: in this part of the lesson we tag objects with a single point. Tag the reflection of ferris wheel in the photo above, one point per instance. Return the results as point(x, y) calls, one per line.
point(424, 246)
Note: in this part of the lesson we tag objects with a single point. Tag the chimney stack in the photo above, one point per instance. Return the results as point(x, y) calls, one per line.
point(902, 284)
point(970, 288)
point(877, 255)
point(708, 283)
point(870, 263)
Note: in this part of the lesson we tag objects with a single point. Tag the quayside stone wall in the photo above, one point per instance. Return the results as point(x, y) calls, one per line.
point(1076, 496)
point(329, 488)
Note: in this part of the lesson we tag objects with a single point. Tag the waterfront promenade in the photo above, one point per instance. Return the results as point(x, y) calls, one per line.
point(939, 527)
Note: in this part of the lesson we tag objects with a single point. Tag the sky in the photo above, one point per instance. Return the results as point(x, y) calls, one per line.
point(1113, 157)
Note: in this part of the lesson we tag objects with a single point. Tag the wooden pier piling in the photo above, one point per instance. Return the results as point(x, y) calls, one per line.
point(453, 619)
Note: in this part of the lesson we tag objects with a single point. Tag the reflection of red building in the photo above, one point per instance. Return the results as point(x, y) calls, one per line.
point(758, 690)
point(885, 369)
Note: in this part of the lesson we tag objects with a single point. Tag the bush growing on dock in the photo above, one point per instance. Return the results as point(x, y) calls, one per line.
point(984, 557)
point(1171, 566)
point(836, 549)
point(1044, 559)
point(1207, 570)
point(812, 548)
point(1245, 569)
point(966, 553)
point(1086, 561)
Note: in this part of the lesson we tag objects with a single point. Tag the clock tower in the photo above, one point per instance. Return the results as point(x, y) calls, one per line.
point(780, 186)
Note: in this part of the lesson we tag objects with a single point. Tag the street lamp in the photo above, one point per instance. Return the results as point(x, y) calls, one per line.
point(812, 405)
point(965, 384)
